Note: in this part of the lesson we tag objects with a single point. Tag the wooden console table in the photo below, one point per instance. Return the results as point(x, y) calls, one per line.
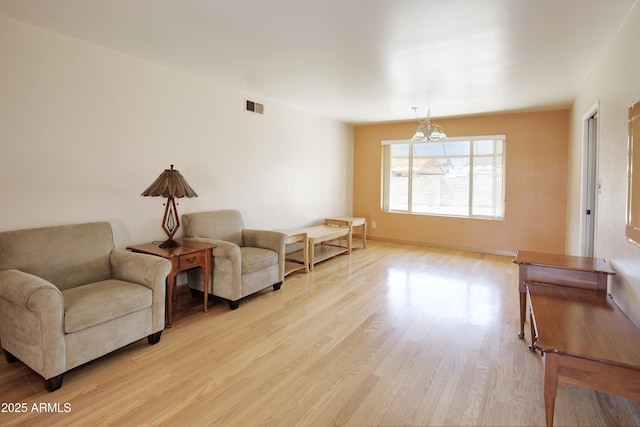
point(563, 270)
point(187, 255)
point(586, 340)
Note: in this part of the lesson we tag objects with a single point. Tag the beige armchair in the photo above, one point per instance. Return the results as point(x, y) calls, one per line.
point(68, 297)
point(245, 261)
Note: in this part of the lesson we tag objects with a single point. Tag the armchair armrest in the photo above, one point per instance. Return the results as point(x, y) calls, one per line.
point(266, 239)
point(227, 267)
point(19, 288)
point(143, 269)
point(28, 302)
point(146, 270)
point(223, 248)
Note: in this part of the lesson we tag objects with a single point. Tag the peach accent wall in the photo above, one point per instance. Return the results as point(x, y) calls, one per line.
point(536, 185)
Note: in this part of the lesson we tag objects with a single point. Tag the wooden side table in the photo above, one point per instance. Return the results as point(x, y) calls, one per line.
point(350, 222)
point(188, 255)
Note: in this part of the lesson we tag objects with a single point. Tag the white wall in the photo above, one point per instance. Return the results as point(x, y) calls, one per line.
point(84, 130)
point(615, 84)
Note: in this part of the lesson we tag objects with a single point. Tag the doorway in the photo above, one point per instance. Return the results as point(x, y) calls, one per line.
point(589, 181)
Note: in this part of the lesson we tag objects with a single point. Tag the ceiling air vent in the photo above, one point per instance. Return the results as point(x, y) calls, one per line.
point(254, 107)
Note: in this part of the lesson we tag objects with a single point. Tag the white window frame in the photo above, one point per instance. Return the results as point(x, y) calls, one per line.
point(386, 176)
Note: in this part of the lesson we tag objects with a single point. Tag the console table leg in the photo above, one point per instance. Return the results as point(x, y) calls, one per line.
point(549, 405)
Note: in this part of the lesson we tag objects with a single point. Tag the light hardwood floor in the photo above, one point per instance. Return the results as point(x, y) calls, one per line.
point(390, 335)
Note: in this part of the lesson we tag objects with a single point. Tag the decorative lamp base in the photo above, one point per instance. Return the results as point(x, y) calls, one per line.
point(170, 223)
point(169, 243)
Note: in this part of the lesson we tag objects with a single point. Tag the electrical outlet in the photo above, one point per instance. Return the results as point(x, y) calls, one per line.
point(373, 224)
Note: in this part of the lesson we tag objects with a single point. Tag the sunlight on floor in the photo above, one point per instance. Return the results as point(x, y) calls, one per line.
point(449, 299)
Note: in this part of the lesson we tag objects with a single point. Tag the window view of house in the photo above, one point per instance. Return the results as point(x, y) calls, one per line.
point(456, 177)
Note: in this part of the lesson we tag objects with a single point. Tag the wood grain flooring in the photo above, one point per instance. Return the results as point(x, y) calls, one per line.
point(391, 335)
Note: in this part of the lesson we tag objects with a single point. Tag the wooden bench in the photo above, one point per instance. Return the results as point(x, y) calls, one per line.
point(585, 339)
point(318, 247)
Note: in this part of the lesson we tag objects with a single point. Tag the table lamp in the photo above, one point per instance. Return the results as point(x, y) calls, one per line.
point(170, 184)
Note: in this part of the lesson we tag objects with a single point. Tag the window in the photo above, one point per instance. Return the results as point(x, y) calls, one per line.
point(456, 177)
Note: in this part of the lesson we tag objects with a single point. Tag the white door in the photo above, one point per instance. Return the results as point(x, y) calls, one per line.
point(589, 185)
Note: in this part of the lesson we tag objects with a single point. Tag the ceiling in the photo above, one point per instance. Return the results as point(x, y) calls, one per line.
point(358, 61)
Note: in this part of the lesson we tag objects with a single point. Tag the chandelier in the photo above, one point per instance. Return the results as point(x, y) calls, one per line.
point(427, 131)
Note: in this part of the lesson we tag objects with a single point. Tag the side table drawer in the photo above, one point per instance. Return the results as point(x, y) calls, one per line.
point(189, 260)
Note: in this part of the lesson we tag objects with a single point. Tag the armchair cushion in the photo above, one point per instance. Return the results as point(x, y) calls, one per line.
point(90, 305)
point(254, 259)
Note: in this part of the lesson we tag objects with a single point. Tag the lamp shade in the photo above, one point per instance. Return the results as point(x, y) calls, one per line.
point(419, 135)
point(170, 183)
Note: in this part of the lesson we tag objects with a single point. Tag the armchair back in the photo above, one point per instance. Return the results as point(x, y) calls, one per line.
point(224, 225)
point(73, 255)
